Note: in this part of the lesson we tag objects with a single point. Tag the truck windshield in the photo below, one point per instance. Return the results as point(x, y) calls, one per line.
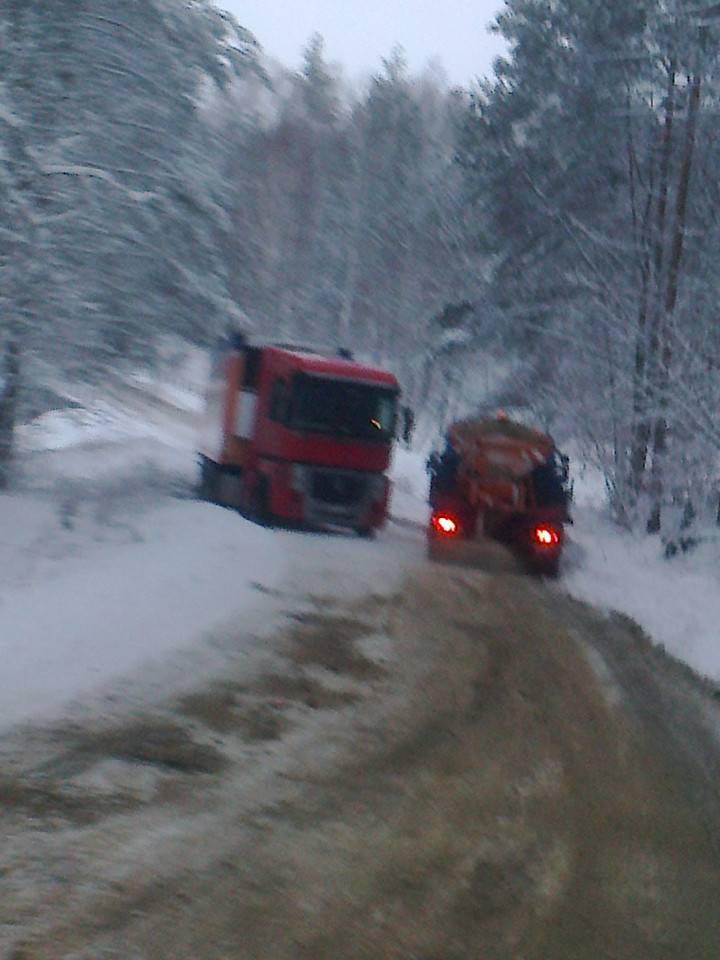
point(343, 408)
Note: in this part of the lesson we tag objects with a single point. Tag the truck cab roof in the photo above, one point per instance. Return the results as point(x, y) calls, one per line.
point(322, 363)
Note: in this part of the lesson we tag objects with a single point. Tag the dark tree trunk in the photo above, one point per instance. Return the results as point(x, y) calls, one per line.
point(648, 339)
point(9, 393)
point(660, 429)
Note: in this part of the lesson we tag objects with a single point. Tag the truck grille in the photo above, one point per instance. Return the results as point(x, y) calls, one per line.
point(337, 488)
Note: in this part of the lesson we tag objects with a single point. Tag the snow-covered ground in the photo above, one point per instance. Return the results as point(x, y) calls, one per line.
point(676, 601)
point(116, 584)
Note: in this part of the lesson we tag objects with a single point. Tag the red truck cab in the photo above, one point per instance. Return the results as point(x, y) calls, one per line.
point(299, 435)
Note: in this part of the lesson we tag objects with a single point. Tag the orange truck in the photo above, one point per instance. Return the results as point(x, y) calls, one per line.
point(505, 480)
point(298, 435)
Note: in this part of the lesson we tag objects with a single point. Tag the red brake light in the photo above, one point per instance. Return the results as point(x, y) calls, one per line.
point(444, 524)
point(546, 536)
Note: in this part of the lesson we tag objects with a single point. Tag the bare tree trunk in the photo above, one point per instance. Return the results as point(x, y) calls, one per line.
point(648, 339)
point(660, 428)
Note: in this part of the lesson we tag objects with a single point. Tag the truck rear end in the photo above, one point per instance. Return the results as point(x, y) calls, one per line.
point(504, 480)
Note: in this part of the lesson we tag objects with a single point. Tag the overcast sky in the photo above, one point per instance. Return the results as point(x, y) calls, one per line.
point(359, 33)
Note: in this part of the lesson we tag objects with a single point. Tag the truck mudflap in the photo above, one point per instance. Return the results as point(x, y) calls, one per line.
point(453, 518)
point(539, 542)
point(536, 537)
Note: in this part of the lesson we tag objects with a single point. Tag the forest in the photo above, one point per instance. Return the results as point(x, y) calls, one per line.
point(544, 240)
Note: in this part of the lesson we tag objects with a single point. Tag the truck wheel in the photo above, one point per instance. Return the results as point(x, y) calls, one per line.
point(551, 567)
point(208, 486)
point(542, 566)
point(260, 503)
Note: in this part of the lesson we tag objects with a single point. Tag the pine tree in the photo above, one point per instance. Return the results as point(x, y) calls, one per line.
point(584, 157)
point(113, 210)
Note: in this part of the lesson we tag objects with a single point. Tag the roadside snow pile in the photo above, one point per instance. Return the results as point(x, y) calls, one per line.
point(676, 601)
point(179, 377)
point(82, 604)
point(78, 426)
point(410, 487)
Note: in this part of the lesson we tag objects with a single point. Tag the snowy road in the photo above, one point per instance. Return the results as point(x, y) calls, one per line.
point(229, 733)
point(464, 761)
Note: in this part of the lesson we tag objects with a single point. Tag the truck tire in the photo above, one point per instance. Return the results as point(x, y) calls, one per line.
point(208, 488)
point(260, 510)
point(549, 567)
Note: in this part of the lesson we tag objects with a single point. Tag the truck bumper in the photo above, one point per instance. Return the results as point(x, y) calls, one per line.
point(334, 497)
